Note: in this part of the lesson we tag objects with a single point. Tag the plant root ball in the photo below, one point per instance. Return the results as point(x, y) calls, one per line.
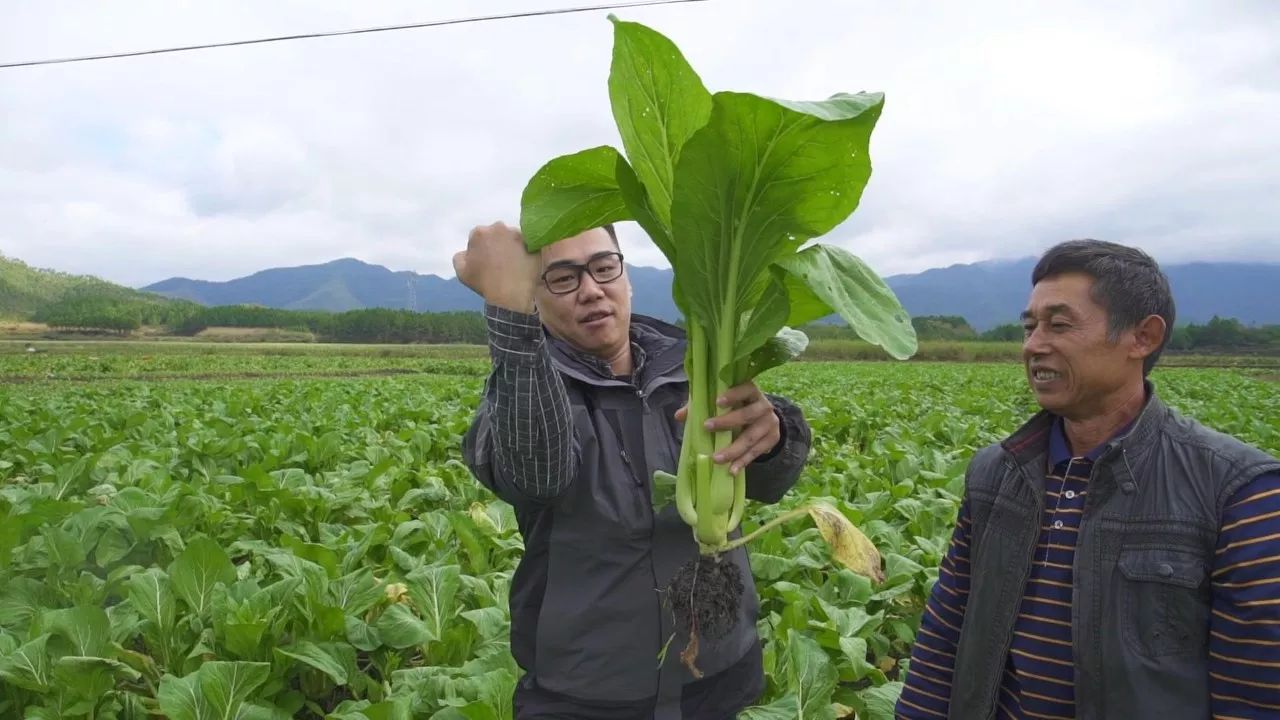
point(706, 595)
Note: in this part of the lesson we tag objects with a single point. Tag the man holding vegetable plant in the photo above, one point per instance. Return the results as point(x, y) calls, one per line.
point(1112, 558)
point(583, 405)
point(631, 521)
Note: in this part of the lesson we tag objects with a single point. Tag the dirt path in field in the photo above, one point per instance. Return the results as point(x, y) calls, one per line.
point(174, 377)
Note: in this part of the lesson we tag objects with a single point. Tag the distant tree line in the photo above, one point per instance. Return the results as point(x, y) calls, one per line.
point(113, 310)
point(95, 310)
point(1224, 334)
point(1219, 334)
point(371, 325)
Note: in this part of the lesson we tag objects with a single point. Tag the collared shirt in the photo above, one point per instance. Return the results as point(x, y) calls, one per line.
point(1039, 677)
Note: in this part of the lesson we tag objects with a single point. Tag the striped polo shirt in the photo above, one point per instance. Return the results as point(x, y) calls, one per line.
point(1039, 675)
point(1039, 672)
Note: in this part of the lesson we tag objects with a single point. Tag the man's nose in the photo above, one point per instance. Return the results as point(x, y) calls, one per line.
point(588, 288)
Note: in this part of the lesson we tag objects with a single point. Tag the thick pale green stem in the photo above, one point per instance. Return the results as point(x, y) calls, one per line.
point(685, 488)
point(713, 512)
point(708, 497)
point(732, 489)
point(695, 436)
point(711, 526)
point(722, 482)
point(684, 483)
point(739, 499)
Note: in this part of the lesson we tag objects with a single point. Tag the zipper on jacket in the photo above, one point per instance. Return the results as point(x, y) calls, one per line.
point(626, 460)
point(1007, 641)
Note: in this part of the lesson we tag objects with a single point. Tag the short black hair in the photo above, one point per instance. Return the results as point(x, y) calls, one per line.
point(1127, 283)
point(608, 227)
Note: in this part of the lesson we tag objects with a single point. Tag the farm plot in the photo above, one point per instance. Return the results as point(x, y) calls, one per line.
point(306, 547)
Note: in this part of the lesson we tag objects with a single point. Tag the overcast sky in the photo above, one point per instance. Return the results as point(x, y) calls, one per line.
point(1008, 126)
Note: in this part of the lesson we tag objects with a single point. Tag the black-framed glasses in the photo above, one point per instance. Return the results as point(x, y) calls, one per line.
point(564, 279)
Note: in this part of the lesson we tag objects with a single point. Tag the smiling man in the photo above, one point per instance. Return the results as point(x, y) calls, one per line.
point(583, 404)
point(1112, 558)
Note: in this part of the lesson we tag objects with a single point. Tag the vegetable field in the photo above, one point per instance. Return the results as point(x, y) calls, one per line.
point(299, 545)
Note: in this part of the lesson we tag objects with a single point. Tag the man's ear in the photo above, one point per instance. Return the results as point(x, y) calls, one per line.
point(1147, 337)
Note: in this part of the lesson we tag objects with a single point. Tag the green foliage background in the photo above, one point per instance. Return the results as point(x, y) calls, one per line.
point(298, 547)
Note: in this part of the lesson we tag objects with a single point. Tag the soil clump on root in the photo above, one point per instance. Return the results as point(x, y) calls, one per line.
point(705, 596)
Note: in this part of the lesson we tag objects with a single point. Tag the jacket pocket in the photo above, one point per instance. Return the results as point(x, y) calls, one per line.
point(1166, 601)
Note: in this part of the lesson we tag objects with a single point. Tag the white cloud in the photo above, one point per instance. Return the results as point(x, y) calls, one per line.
point(1007, 127)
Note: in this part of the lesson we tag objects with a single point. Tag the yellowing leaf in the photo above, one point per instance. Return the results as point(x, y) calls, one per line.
point(397, 592)
point(848, 545)
point(480, 516)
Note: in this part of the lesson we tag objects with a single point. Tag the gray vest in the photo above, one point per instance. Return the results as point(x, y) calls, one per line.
point(1141, 601)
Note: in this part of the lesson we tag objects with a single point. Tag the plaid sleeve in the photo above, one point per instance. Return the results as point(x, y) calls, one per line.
point(528, 406)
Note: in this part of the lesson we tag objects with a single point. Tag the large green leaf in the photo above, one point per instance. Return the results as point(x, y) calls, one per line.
point(491, 624)
point(434, 589)
point(662, 490)
point(393, 709)
point(113, 547)
point(90, 677)
point(197, 570)
point(824, 279)
point(86, 629)
point(640, 207)
point(356, 592)
point(21, 599)
point(65, 550)
point(226, 685)
point(362, 635)
point(151, 595)
point(317, 657)
point(659, 102)
point(848, 621)
point(786, 707)
point(181, 698)
point(811, 676)
point(761, 323)
point(496, 690)
point(570, 195)
point(244, 638)
point(400, 628)
point(782, 348)
point(28, 666)
point(319, 554)
point(855, 655)
point(757, 182)
point(257, 711)
point(476, 710)
point(880, 701)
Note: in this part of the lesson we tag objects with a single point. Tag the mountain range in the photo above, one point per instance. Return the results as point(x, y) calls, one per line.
point(986, 293)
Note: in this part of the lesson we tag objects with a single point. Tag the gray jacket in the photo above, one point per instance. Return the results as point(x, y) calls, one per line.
point(588, 620)
point(1141, 597)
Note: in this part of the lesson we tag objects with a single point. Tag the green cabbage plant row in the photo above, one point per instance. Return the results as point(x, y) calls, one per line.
point(315, 549)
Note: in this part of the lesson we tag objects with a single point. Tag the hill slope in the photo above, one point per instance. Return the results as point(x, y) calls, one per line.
point(26, 291)
point(986, 293)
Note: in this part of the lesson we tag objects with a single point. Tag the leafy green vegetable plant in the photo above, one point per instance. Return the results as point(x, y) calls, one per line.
point(355, 532)
point(730, 187)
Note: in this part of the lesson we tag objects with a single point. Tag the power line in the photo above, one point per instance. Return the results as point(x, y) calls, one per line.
point(335, 33)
